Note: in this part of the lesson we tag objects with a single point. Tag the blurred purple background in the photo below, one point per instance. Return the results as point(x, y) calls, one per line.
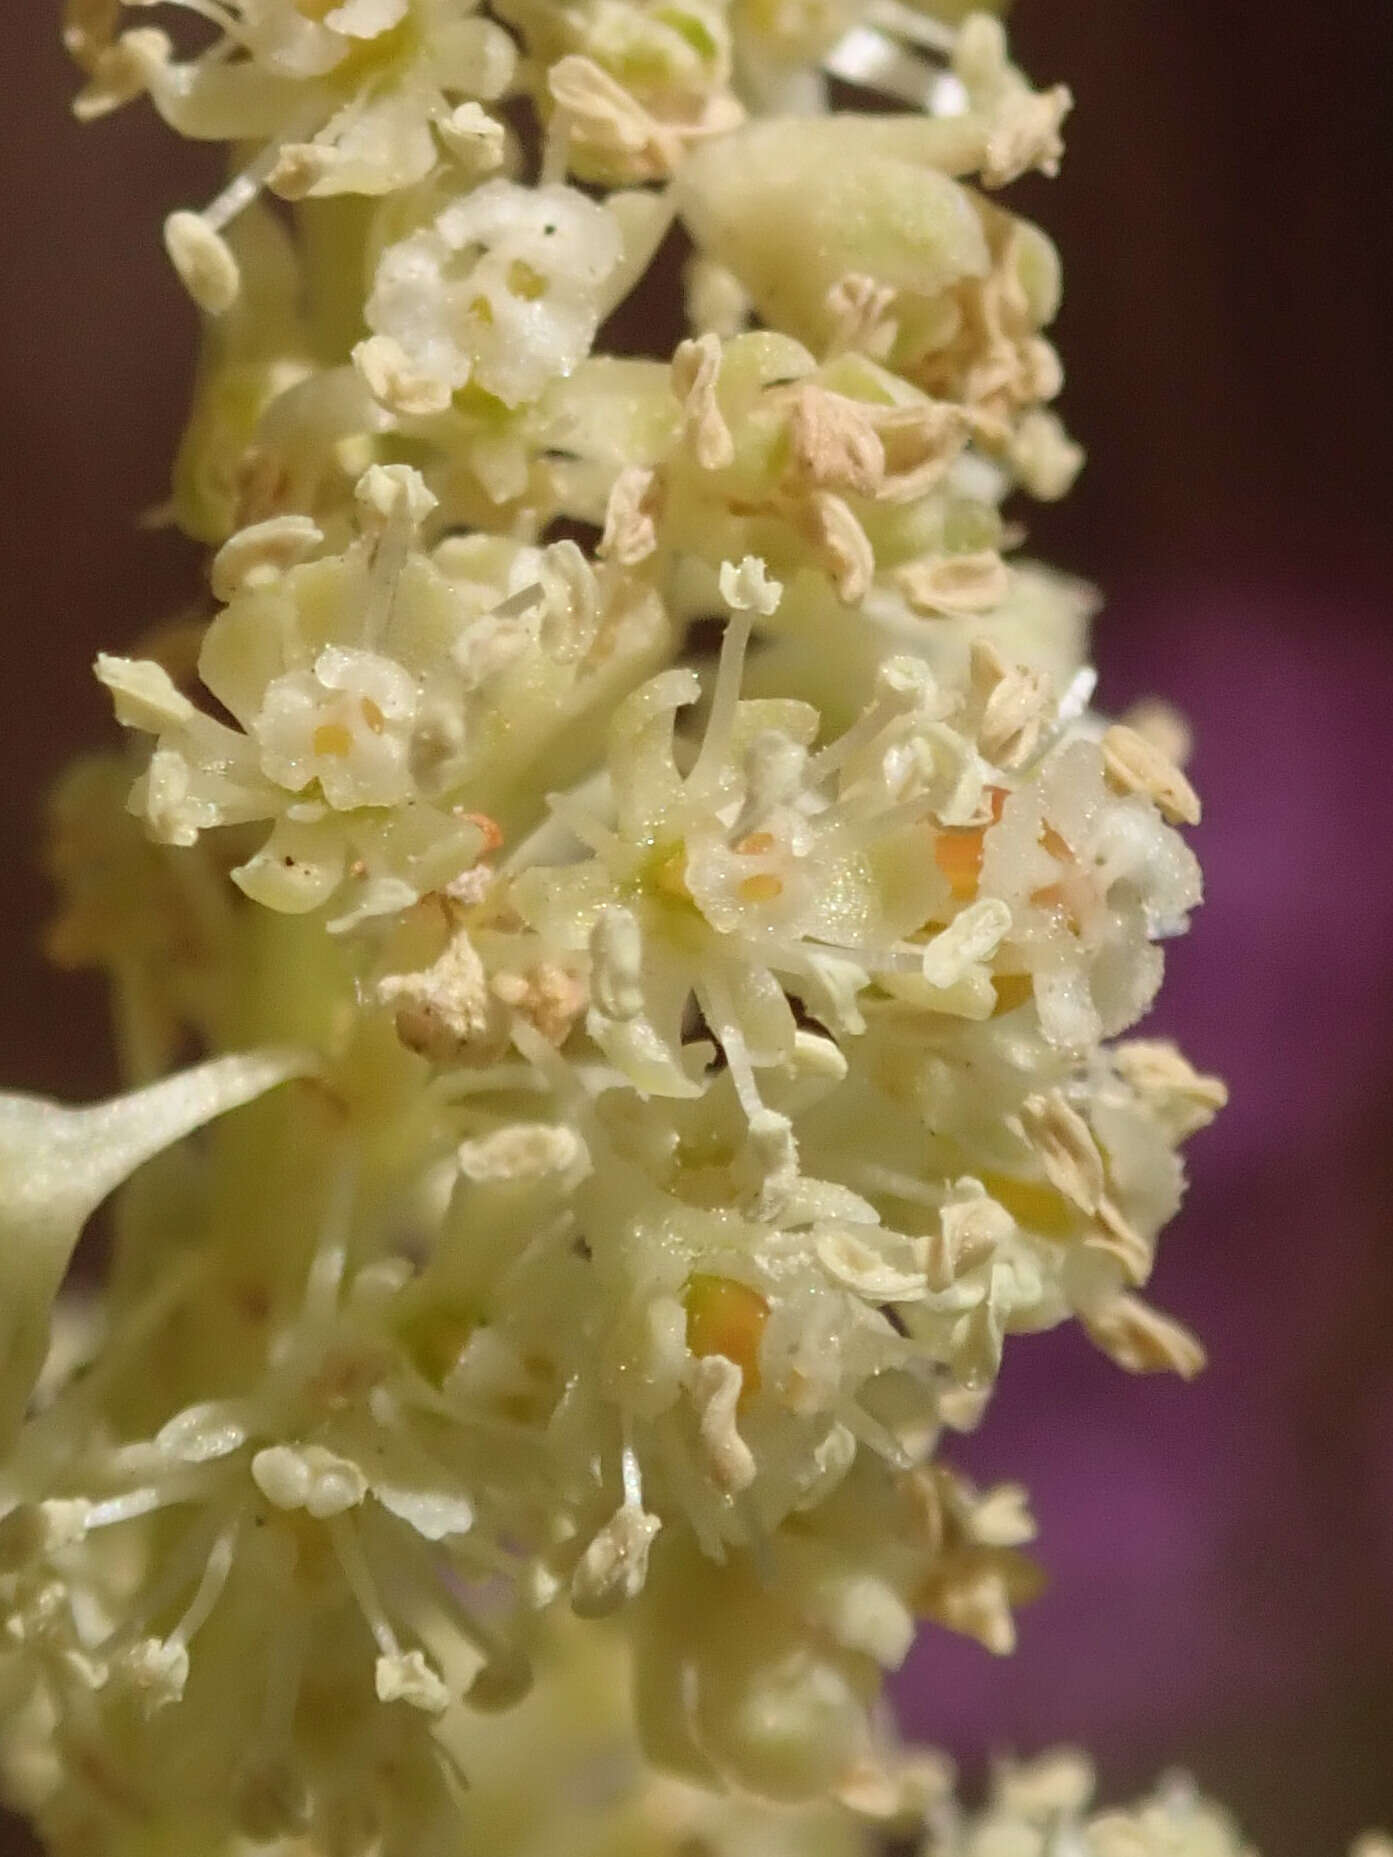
point(1222, 1555)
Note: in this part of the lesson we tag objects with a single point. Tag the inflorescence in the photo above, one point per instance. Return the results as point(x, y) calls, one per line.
point(633, 845)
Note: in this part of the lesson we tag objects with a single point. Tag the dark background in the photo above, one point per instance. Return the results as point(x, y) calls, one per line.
point(1223, 1554)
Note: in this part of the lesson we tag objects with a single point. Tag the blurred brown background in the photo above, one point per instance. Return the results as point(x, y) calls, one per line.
point(1224, 214)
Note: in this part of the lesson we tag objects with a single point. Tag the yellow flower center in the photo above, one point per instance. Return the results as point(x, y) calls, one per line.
point(726, 1317)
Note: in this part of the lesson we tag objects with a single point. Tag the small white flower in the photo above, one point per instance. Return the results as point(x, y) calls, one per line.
point(506, 288)
point(346, 724)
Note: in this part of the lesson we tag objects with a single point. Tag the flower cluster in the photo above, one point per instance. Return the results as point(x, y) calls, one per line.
point(665, 1074)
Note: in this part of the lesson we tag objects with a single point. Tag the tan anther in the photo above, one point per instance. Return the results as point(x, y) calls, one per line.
point(954, 586)
point(920, 442)
point(600, 117)
point(843, 547)
point(394, 383)
point(260, 554)
point(995, 364)
point(1016, 705)
point(834, 443)
point(596, 106)
point(1169, 1085)
point(969, 1232)
point(549, 997)
point(859, 309)
point(204, 261)
point(631, 516)
point(1143, 1340)
point(445, 1008)
point(696, 367)
point(1116, 1237)
point(1135, 765)
point(1064, 1144)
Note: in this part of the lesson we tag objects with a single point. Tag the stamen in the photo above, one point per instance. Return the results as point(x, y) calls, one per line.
point(135, 1503)
point(900, 692)
point(389, 558)
point(730, 673)
point(285, 1664)
point(210, 1587)
point(325, 1277)
point(241, 190)
point(719, 1009)
point(348, 1550)
point(630, 1472)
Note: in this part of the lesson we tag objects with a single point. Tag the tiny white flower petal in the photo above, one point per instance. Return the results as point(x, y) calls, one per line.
point(144, 695)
